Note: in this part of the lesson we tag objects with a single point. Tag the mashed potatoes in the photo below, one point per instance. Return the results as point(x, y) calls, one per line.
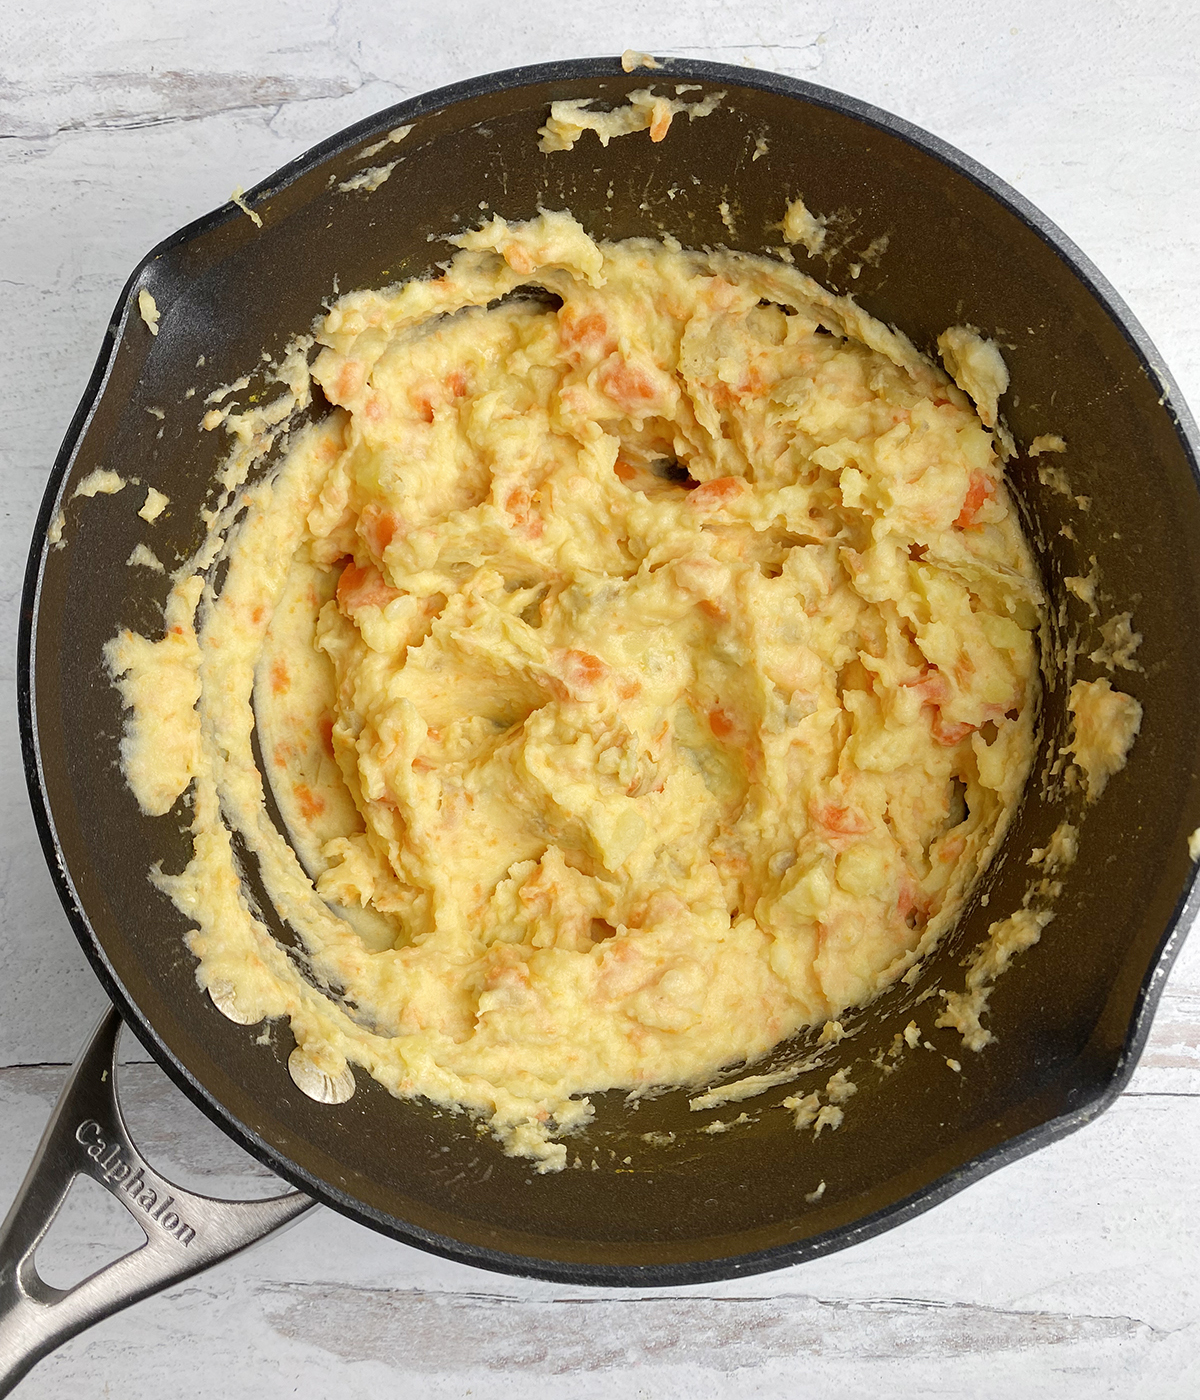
point(641, 655)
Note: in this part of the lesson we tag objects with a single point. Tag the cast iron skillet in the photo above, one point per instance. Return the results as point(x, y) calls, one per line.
point(1070, 1016)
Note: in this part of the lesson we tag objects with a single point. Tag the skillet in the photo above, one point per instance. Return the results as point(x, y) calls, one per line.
point(1070, 1016)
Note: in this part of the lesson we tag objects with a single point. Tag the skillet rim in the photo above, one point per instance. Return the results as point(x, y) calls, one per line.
point(1091, 1097)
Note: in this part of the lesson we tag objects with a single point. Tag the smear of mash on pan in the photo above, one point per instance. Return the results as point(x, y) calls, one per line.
point(148, 310)
point(1006, 938)
point(101, 482)
point(154, 505)
point(646, 110)
point(642, 658)
point(1105, 723)
point(370, 179)
point(799, 226)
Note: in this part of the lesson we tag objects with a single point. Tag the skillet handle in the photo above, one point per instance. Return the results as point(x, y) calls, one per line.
point(185, 1233)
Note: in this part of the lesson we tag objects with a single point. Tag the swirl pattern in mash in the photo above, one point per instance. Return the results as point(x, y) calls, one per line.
point(643, 658)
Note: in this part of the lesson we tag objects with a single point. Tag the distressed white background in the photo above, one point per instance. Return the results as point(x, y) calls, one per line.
point(1074, 1273)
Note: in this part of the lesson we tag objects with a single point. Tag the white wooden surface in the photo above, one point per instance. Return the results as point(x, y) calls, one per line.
point(1073, 1273)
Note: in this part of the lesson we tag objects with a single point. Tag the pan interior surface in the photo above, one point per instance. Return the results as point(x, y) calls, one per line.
point(654, 1198)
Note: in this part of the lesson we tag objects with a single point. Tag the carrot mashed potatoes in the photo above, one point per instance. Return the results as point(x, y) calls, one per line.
point(642, 659)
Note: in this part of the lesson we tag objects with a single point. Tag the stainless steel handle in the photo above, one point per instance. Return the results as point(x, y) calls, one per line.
point(185, 1233)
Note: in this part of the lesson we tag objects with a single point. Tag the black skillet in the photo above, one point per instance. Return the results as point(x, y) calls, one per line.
point(1070, 1016)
